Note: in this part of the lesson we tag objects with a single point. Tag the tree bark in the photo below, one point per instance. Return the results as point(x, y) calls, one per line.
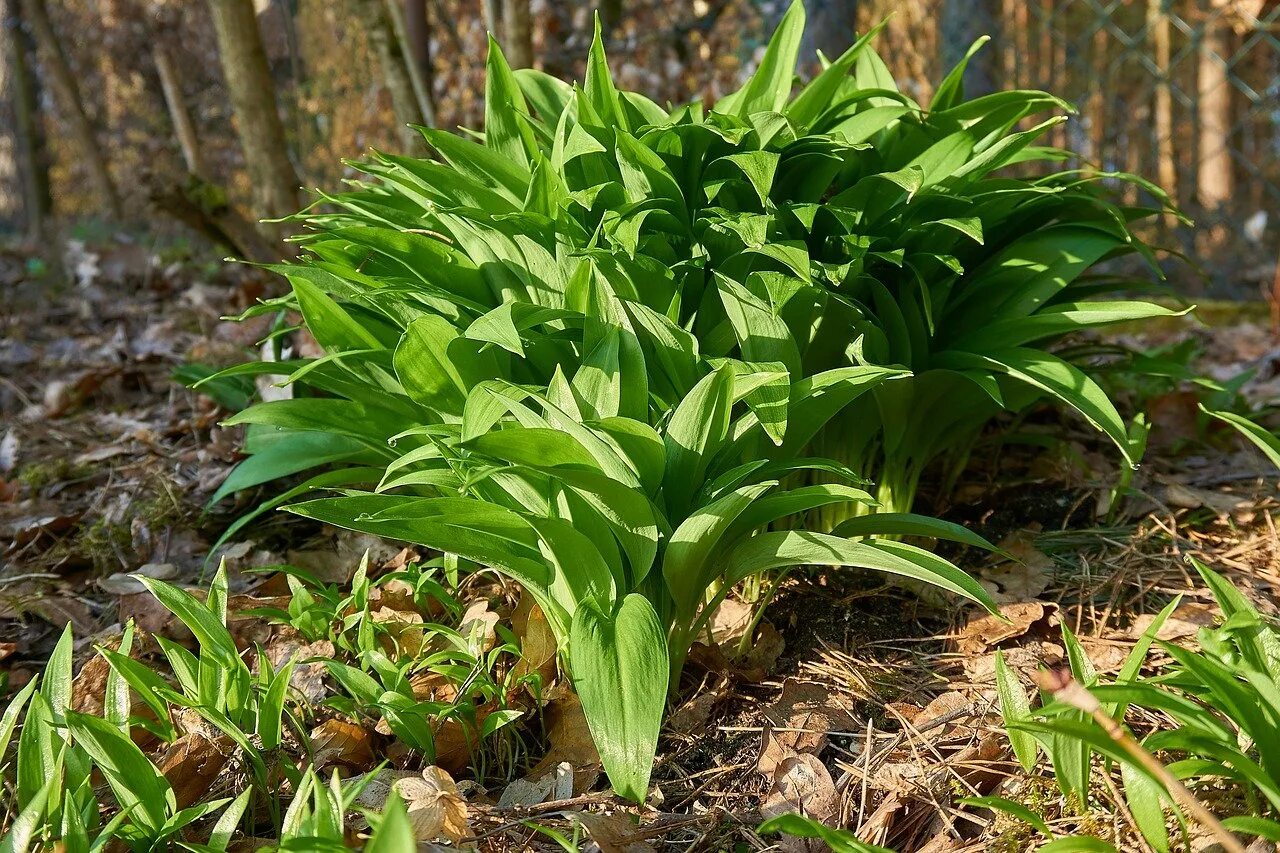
point(32, 154)
point(610, 16)
point(248, 80)
point(183, 127)
point(517, 42)
point(493, 18)
point(375, 19)
point(1162, 108)
point(419, 82)
point(67, 90)
point(1214, 181)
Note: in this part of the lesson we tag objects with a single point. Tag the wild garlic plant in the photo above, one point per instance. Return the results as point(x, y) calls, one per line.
point(609, 349)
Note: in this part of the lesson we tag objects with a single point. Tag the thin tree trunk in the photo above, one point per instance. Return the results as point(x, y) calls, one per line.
point(419, 82)
point(248, 80)
point(517, 41)
point(1162, 124)
point(374, 17)
point(610, 16)
point(183, 127)
point(493, 18)
point(67, 89)
point(418, 38)
point(1214, 183)
point(32, 155)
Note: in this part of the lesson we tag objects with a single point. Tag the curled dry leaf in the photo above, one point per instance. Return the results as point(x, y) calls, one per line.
point(730, 622)
point(798, 722)
point(802, 784)
point(531, 791)
point(402, 631)
point(436, 808)
point(985, 631)
point(121, 583)
point(1185, 621)
point(537, 644)
point(478, 625)
point(1025, 576)
point(193, 763)
point(613, 833)
point(569, 740)
point(340, 742)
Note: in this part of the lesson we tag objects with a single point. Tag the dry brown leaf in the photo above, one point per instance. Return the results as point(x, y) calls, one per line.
point(766, 647)
point(340, 742)
point(1025, 576)
point(402, 631)
point(729, 624)
point(691, 718)
point(436, 809)
point(89, 689)
point(122, 583)
point(802, 784)
point(1189, 497)
point(478, 625)
point(530, 791)
point(193, 763)
point(537, 644)
point(613, 833)
point(985, 631)
point(569, 741)
point(798, 722)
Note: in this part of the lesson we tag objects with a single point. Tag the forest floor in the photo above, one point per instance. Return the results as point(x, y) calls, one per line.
point(854, 702)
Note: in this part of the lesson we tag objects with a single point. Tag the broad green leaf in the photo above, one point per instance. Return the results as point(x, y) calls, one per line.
point(620, 672)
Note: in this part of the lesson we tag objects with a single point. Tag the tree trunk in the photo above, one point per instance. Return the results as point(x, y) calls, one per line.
point(32, 155)
point(249, 84)
point(419, 82)
point(67, 90)
point(610, 16)
point(183, 127)
point(493, 18)
point(1214, 181)
point(1162, 109)
point(517, 42)
point(418, 38)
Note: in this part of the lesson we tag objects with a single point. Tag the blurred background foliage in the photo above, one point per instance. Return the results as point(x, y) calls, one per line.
point(136, 114)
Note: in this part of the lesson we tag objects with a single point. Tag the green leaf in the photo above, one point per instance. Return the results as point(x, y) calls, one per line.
point(839, 840)
point(770, 85)
point(438, 366)
point(506, 130)
point(1262, 438)
point(910, 524)
point(1055, 377)
point(1146, 799)
point(620, 671)
point(1015, 708)
point(684, 566)
point(133, 779)
point(786, 548)
point(1009, 807)
point(56, 686)
point(697, 428)
point(295, 453)
point(394, 833)
point(11, 712)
